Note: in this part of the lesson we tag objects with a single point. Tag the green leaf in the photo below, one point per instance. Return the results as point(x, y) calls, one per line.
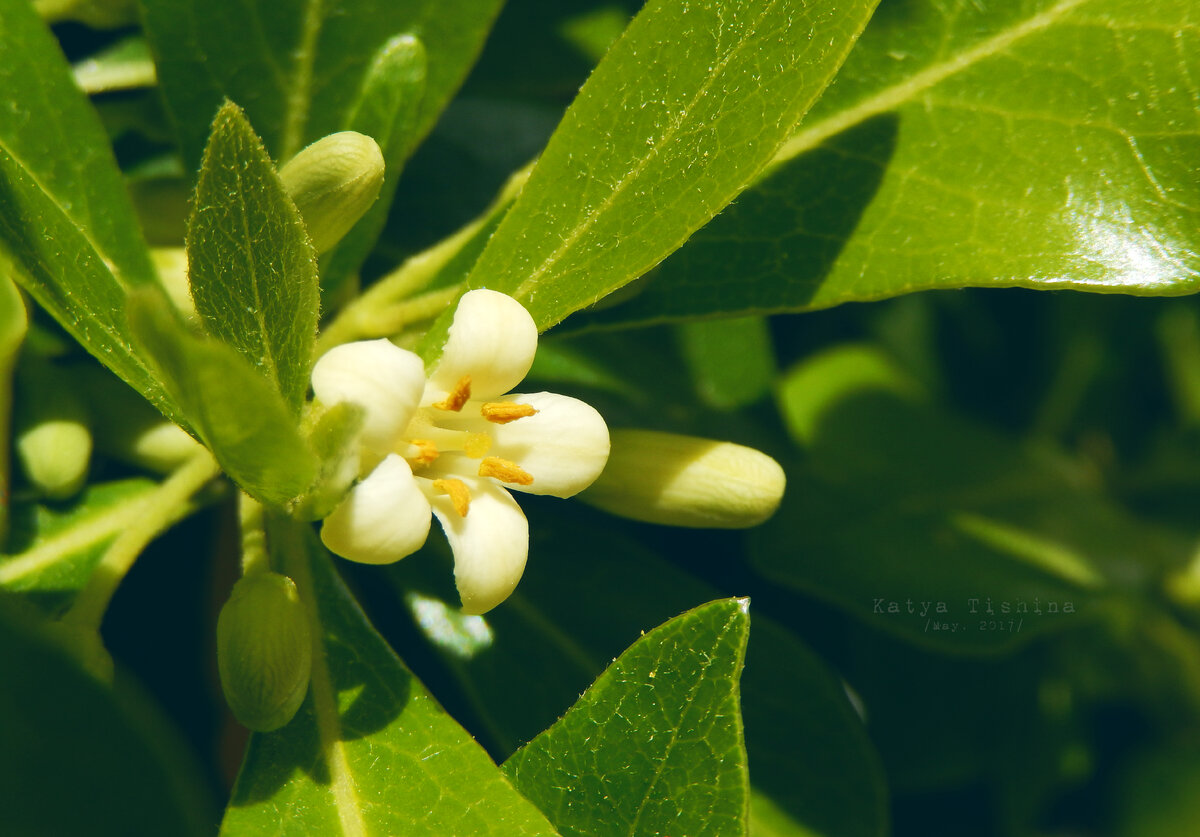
point(235, 411)
point(1047, 144)
point(14, 322)
point(522, 664)
point(79, 759)
point(66, 222)
point(51, 551)
point(684, 111)
point(370, 752)
point(252, 269)
point(655, 745)
point(299, 75)
point(387, 110)
point(929, 525)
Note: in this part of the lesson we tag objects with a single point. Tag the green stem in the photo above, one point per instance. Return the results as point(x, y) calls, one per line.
point(159, 510)
point(254, 538)
point(385, 304)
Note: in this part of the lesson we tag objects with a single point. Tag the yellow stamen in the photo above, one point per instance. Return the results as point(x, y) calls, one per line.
point(502, 412)
point(459, 396)
point(504, 470)
point(426, 451)
point(477, 445)
point(459, 494)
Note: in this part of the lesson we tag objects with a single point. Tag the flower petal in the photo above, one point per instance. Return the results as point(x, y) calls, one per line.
point(384, 379)
point(490, 544)
point(383, 518)
point(564, 446)
point(492, 339)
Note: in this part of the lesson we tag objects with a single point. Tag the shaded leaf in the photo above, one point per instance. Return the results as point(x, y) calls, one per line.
point(79, 760)
point(369, 751)
point(1046, 144)
point(929, 525)
point(65, 219)
point(235, 411)
point(684, 110)
point(251, 267)
point(655, 745)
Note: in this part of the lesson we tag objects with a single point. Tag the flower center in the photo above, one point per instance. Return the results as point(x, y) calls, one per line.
point(442, 440)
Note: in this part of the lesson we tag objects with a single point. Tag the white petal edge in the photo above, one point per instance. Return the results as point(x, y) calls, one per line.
point(383, 518)
point(490, 545)
point(493, 339)
point(564, 447)
point(382, 378)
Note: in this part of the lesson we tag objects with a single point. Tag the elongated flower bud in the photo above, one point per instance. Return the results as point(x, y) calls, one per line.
point(687, 481)
point(333, 183)
point(264, 652)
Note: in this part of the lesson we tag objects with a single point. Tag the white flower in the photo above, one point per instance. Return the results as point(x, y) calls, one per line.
point(451, 445)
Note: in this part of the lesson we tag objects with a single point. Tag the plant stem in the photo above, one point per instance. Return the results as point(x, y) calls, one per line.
point(385, 308)
point(254, 538)
point(159, 510)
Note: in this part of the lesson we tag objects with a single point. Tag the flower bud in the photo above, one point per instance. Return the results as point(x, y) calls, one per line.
point(333, 182)
point(264, 652)
point(686, 481)
point(53, 440)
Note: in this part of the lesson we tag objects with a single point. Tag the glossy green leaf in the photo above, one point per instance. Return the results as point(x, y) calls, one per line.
point(684, 110)
point(51, 550)
point(655, 745)
point(523, 664)
point(252, 270)
point(79, 760)
point(387, 110)
point(235, 411)
point(1042, 143)
point(66, 222)
point(299, 73)
point(370, 752)
point(927, 524)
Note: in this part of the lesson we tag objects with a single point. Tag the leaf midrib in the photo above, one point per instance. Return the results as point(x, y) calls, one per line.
point(630, 177)
point(892, 97)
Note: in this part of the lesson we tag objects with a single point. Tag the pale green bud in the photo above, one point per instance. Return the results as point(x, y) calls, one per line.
point(264, 651)
point(686, 481)
point(53, 440)
point(333, 183)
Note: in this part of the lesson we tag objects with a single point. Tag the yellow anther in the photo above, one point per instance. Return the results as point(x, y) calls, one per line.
point(477, 445)
point(426, 451)
point(459, 396)
point(504, 470)
point(502, 412)
point(458, 492)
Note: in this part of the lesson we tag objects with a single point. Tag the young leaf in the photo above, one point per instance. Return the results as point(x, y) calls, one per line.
point(125, 65)
point(299, 76)
point(1047, 145)
point(684, 110)
point(370, 752)
point(14, 322)
point(252, 270)
point(79, 760)
point(929, 525)
point(66, 222)
point(655, 745)
point(235, 411)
